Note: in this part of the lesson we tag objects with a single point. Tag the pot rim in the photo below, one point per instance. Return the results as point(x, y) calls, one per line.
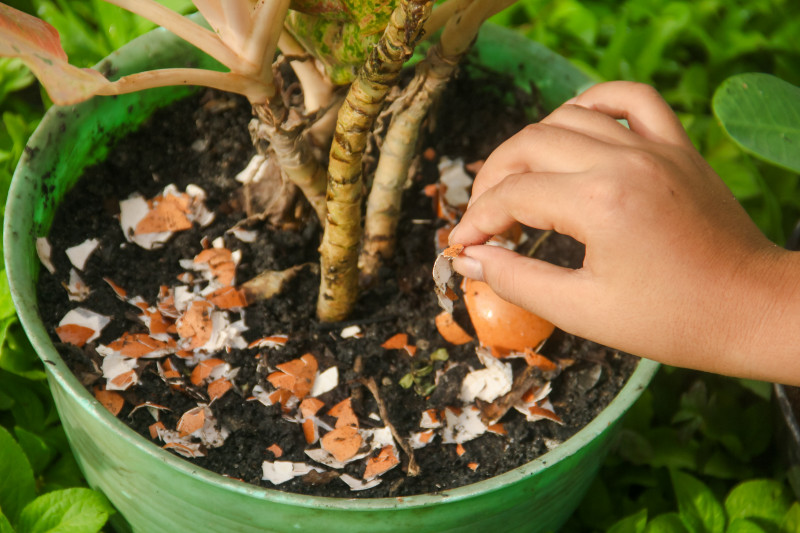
point(58, 372)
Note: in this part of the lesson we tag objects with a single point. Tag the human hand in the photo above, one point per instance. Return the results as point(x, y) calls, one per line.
point(674, 270)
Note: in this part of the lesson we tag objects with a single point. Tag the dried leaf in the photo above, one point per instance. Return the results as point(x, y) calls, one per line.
point(269, 283)
point(38, 45)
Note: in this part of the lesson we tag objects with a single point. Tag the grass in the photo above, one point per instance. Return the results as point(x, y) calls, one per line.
point(695, 446)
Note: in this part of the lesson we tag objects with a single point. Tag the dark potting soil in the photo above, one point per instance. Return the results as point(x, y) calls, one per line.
point(203, 140)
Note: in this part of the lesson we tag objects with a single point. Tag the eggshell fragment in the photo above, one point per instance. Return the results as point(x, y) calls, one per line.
point(80, 326)
point(273, 341)
point(396, 342)
point(450, 330)
point(276, 450)
point(113, 401)
point(191, 421)
point(44, 251)
point(138, 345)
point(383, 462)
point(500, 325)
point(343, 442)
point(77, 290)
point(344, 414)
point(296, 376)
point(310, 406)
point(357, 484)
point(218, 388)
point(203, 370)
point(79, 255)
point(325, 381)
point(488, 383)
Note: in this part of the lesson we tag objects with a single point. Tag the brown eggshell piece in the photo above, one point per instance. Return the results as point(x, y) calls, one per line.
point(500, 325)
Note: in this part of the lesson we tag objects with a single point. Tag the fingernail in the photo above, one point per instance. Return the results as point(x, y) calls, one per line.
point(453, 231)
point(571, 100)
point(468, 267)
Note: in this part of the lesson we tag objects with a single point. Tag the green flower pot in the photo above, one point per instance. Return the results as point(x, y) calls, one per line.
point(155, 490)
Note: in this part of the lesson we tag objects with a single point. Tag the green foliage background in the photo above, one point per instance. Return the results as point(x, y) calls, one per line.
point(698, 452)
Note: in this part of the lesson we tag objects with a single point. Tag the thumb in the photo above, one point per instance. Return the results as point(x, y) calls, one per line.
point(548, 290)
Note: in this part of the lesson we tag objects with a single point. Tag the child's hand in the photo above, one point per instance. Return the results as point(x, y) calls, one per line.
point(674, 270)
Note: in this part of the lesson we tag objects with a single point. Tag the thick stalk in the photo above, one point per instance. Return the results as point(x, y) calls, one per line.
point(339, 249)
point(399, 145)
point(283, 130)
point(397, 153)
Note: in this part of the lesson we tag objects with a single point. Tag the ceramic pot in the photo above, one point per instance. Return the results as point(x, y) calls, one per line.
point(157, 491)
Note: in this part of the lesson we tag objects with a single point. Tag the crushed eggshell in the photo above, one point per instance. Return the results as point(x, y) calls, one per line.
point(382, 463)
point(278, 472)
point(244, 235)
point(325, 381)
point(191, 421)
point(457, 183)
point(421, 439)
point(111, 400)
point(462, 426)
point(150, 224)
point(79, 255)
point(356, 484)
point(343, 442)
point(488, 383)
point(138, 345)
point(80, 326)
point(444, 276)
point(218, 388)
point(430, 419)
point(296, 376)
point(396, 342)
point(77, 290)
point(351, 332)
point(119, 371)
point(44, 251)
point(273, 341)
point(344, 414)
point(276, 450)
point(450, 330)
point(203, 370)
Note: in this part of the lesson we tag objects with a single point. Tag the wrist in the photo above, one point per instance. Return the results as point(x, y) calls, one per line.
point(766, 344)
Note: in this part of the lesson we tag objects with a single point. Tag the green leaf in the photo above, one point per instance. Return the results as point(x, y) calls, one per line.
point(791, 521)
point(666, 523)
point(742, 525)
point(6, 305)
point(16, 354)
point(75, 510)
point(634, 523)
point(440, 355)
point(762, 113)
point(39, 453)
point(17, 486)
point(766, 499)
point(406, 381)
point(5, 525)
point(697, 506)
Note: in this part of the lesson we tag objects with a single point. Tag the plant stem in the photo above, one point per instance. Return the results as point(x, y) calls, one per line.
point(205, 40)
point(339, 249)
point(397, 153)
point(253, 89)
point(284, 130)
point(399, 145)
